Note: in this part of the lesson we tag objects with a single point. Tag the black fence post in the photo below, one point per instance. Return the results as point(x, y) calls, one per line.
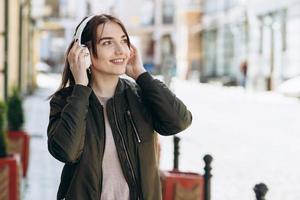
point(260, 191)
point(207, 176)
point(176, 141)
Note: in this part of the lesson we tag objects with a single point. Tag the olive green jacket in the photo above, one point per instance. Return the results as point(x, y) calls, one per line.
point(76, 135)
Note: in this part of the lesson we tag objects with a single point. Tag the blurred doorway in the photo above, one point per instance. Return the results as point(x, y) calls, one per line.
point(272, 46)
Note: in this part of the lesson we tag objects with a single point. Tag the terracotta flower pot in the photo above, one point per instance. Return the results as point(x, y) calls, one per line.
point(10, 177)
point(182, 185)
point(18, 142)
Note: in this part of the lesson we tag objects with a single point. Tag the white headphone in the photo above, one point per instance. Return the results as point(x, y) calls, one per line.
point(80, 29)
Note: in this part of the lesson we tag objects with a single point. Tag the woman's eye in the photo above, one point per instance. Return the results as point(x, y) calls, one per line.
point(106, 43)
point(125, 41)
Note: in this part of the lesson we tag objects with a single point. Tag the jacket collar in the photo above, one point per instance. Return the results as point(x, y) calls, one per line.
point(119, 90)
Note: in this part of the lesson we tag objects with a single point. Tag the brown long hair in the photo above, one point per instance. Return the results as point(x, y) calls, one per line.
point(88, 38)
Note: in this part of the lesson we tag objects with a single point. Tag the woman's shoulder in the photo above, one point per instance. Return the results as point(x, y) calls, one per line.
point(131, 88)
point(62, 93)
point(130, 84)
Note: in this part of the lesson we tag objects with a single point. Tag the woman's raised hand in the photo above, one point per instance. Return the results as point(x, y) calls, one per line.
point(78, 65)
point(135, 66)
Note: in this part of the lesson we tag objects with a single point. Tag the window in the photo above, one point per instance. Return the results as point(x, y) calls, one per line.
point(168, 11)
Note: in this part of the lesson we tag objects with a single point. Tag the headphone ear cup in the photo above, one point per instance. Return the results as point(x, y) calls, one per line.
point(81, 27)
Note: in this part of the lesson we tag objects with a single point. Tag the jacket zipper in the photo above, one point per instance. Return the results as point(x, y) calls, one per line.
point(123, 143)
point(134, 128)
point(104, 138)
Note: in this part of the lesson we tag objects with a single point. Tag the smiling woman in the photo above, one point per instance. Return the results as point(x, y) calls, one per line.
point(104, 127)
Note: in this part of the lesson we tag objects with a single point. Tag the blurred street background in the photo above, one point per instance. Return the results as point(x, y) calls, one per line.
point(235, 63)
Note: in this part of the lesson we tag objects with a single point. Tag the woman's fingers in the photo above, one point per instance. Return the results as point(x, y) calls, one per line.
point(84, 58)
point(77, 54)
point(71, 55)
point(132, 46)
point(76, 58)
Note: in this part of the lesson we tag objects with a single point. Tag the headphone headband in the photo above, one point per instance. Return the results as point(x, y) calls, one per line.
point(81, 27)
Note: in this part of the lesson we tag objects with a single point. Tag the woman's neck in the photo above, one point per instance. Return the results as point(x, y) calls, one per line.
point(104, 85)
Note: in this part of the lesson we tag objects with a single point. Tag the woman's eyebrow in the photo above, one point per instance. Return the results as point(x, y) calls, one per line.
point(105, 38)
point(110, 38)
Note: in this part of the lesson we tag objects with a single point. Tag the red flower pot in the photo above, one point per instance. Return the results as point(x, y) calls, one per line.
point(18, 142)
point(10, 177)
point(182, 185)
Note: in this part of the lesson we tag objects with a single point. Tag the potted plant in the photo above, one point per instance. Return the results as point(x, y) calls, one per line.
point(3, 147)
point(9, 164)
point(18, 139)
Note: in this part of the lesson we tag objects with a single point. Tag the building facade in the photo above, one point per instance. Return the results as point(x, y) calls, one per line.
point(15, 57)
point(151, 27)
point(260, 33)
point(224, 40)
point(188, 39)
point(275, 44)
point(166, 32)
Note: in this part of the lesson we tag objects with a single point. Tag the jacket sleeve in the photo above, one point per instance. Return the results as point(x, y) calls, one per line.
point(67, 123)
point(169, 114)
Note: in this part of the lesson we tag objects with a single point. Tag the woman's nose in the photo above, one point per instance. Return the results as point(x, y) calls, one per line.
point(119, 49)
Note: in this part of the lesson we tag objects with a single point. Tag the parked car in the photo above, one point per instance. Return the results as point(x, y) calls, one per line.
point(43, 67)
point(290, 87)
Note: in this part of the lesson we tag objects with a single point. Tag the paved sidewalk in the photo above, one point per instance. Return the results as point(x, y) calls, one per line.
point(252, 136)
point(44, 171)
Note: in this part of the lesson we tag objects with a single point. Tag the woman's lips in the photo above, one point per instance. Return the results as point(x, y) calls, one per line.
point(118, 61)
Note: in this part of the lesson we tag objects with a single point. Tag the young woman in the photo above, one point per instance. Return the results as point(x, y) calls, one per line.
point(103, 127)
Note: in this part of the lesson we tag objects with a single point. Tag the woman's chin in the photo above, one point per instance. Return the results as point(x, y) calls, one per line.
point(120, 71)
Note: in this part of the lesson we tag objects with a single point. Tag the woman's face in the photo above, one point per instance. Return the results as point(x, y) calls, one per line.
point(112, 50)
